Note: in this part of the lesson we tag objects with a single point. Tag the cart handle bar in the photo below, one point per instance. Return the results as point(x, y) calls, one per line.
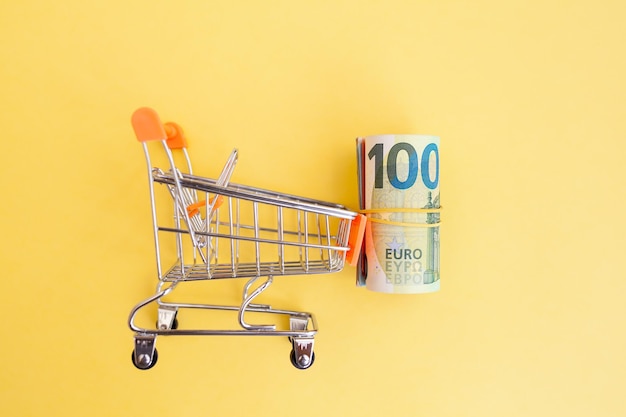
point(148, 127)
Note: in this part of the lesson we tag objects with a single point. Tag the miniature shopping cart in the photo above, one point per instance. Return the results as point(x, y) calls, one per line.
point(224, 230)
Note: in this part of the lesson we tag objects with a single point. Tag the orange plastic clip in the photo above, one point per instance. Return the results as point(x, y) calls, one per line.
point(355, 240)
point(175, 136)
point(193, 209)
point(147, 125)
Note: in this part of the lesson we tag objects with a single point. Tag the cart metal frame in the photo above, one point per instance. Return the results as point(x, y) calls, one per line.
point(224, 230)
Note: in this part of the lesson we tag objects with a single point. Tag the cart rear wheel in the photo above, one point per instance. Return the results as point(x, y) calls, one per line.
point(143, 362)
point(304, 362)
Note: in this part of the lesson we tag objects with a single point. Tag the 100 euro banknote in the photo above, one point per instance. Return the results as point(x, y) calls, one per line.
point(399, 192)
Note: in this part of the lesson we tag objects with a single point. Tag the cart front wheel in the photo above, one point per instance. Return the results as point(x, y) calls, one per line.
point(303, 362)
point(144, 362)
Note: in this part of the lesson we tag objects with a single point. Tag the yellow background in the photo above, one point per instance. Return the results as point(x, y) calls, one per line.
point(528, 98)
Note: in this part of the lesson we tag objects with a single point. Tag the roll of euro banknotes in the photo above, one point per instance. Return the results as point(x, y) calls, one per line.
point(399, 192)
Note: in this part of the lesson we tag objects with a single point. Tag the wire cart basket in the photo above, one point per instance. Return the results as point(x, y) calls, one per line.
point(224, 230)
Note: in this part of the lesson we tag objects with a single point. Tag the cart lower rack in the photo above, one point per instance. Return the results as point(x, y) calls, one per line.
point(215, 229)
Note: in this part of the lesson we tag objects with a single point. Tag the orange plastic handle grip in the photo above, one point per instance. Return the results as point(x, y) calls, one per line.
point(175, 136)
point(147, 125)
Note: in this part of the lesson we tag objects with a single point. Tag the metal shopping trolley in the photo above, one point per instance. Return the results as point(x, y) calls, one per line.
point(225, 230)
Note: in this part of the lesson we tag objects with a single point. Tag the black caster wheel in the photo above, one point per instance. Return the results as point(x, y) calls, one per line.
point(142, 362)
point(304, 363)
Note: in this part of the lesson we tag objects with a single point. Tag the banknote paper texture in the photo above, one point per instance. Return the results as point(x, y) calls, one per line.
point(399, 192)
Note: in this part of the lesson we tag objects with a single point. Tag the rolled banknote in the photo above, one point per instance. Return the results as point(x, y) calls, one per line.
point(399, 192)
